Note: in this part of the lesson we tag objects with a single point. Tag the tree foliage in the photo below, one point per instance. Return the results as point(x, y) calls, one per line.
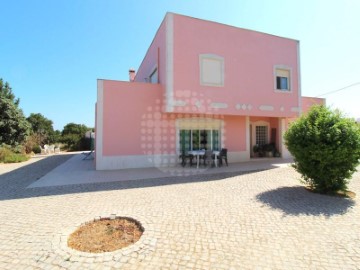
point(43, 127)
point(6, 92)
point(326, 148)
point(13, 126)
point(73, 135)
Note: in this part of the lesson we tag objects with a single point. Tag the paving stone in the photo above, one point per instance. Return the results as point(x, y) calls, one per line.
point(258, 220)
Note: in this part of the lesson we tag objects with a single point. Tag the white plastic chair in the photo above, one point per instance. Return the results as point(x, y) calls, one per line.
point(51, 149)
point(46, 149)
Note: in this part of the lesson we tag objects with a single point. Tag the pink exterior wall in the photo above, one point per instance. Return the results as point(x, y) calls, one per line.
point(126, 106)
point(235, 133)
point(134, 124)
point(155, 57)
point(308, 102)
point(131, 116)
point(249, 60)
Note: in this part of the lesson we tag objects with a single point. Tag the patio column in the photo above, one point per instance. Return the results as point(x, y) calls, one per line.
point(248, 148)
point(284, 151)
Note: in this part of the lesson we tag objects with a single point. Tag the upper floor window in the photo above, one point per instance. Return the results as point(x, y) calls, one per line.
point(282, 79)
point(211, 70)
point(154, 78)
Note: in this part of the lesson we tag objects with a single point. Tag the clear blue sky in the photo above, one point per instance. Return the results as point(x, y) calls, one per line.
point(52, 52)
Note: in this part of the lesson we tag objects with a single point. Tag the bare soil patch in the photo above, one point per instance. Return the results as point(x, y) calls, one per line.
point(105, 235)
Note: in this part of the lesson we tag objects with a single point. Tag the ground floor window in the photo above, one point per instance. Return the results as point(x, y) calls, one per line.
point(261, 135)
point(195, 139)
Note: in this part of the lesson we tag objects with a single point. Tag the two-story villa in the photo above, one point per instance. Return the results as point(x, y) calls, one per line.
point(201, 85)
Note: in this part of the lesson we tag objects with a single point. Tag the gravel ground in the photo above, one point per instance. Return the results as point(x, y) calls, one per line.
point(257, 220)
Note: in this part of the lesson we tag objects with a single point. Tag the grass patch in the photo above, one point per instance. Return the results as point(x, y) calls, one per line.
point(8, 156)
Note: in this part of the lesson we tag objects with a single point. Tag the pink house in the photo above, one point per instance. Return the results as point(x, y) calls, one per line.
point(201, 85)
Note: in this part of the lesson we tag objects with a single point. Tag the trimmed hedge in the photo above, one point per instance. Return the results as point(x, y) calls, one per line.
point(326, 149)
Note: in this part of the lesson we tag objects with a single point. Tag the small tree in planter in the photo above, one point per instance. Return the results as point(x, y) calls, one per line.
point(326, 149)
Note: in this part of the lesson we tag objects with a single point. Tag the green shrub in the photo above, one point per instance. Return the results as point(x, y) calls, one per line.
point(4, 152)
point(36, 149)
point(14, 158)
point(18, 149)
point(32, 141)
point(8, 156)
point(326, 149)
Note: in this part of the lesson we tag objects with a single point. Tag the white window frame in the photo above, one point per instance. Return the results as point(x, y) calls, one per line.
point(289, 78)
point(199, 123)
point(256, 124)
point(212, 57)
point(199, 142)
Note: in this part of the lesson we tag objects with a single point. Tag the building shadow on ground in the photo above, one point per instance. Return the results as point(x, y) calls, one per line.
point(296, 201)
point(13, 185)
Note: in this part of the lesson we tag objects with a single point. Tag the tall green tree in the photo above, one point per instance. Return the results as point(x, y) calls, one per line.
point(73, 135)
point(6, 92)
point(14, 128)
point(326, 148)
point(43, 127)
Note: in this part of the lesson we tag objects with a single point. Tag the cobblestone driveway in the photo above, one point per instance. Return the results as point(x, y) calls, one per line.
point(259, 220)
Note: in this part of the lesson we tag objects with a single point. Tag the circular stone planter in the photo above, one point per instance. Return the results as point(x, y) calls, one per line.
point(105, 234)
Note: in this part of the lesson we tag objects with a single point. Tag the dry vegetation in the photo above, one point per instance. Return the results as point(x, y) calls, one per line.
point(105, 235)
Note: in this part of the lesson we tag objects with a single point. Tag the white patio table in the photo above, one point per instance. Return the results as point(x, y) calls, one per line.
point(199, 153)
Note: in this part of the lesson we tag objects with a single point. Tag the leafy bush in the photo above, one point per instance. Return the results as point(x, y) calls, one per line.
point(36, 149)
point(326, 149)
point(13, 125)
point(32, 141)
point(73, 136)
point(4, 152)
point(8, 156)
point(43, 129)
point(14, 158)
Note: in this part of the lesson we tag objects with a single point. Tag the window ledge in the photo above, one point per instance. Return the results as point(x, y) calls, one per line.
point(283, 91)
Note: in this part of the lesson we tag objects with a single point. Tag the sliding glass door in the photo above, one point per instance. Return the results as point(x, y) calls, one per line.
point(199, 139)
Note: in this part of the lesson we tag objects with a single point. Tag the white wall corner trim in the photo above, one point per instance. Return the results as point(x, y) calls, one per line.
point(169, 62)
point(299, 78)
point(266, 108)
point(284, 151)
point(247, 123)
point(99, 122)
